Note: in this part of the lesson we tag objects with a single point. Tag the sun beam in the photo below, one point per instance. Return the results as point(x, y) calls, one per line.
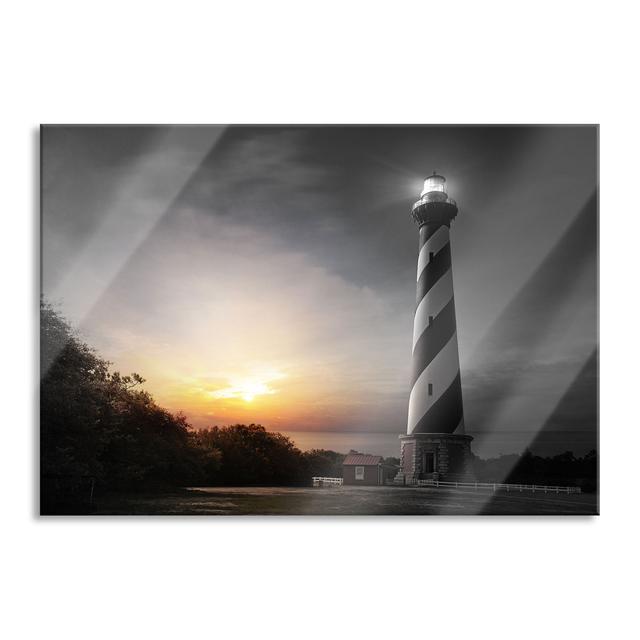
point(248, 388)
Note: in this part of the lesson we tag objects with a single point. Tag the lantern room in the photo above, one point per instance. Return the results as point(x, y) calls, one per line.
point(434, 190)
point(434, 206)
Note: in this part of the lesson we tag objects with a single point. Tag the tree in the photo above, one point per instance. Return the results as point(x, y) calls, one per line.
point(100, 428)
point(391, 466)
point(251, 455)
point(562, 469)
point(323, 463)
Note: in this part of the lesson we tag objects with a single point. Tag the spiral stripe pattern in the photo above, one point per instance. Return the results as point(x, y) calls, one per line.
point(435, 401)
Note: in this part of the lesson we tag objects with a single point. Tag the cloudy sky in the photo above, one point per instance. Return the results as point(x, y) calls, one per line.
point(267, 274)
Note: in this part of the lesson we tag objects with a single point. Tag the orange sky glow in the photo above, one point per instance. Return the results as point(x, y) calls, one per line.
point(268, 275)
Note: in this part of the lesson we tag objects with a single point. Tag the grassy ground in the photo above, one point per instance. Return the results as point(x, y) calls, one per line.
point(345, 501)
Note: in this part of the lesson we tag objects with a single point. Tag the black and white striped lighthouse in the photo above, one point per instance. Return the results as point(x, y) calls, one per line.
point(435, 446)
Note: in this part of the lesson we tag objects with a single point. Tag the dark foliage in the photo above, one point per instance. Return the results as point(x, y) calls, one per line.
point(563, 470)
point(101, 432)
point(323, 463)
point(250, 455)
point(391, 466)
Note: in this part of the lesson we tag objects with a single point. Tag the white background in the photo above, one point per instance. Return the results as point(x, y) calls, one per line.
point(87, 62)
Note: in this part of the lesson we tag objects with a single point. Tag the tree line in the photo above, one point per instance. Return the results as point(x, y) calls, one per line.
point(100, 431)
point(564, 469)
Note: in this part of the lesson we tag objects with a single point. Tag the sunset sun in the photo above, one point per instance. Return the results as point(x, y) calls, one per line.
point(248, 388)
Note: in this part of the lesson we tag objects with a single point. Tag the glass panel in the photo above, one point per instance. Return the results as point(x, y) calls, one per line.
point(435, 183)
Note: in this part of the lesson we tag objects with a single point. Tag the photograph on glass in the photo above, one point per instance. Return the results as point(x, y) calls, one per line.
point(319, 320)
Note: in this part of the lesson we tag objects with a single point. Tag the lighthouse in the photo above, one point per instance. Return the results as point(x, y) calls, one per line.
point(435, 446)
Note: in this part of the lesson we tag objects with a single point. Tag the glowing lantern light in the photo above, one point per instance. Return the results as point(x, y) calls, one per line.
point(434, 188)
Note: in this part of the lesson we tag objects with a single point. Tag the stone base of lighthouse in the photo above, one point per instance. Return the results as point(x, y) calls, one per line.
point(435, 456)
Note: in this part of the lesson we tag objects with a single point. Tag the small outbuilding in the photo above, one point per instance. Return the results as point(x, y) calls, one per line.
point(363, 469)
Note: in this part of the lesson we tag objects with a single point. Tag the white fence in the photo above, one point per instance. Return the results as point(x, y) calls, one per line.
point(319, 481)
point(327, 482)
point(495, 486)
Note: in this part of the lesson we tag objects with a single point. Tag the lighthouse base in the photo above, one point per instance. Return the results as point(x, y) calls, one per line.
point(435, 456)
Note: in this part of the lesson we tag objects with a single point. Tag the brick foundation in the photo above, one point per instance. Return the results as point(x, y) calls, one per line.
point(435, 456)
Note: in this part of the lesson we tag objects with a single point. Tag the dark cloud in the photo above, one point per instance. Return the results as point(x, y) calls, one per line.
point(577, 410)
point(532, 329)
point(335, 202)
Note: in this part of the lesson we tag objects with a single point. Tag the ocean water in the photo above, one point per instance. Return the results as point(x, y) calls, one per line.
point(484, 445)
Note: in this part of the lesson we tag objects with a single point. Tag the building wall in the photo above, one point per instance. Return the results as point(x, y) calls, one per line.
point(453, 460)
point(372, 474)
point(407, 454)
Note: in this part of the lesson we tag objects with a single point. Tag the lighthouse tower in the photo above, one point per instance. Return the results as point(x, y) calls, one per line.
point(435, 447)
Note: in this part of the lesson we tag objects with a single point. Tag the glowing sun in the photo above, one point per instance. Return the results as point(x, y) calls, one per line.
point(248, 388)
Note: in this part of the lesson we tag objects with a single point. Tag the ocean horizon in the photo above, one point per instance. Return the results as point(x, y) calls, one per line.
point(484, 445)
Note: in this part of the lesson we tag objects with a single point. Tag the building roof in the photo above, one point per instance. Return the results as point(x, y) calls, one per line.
point(362, 459)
